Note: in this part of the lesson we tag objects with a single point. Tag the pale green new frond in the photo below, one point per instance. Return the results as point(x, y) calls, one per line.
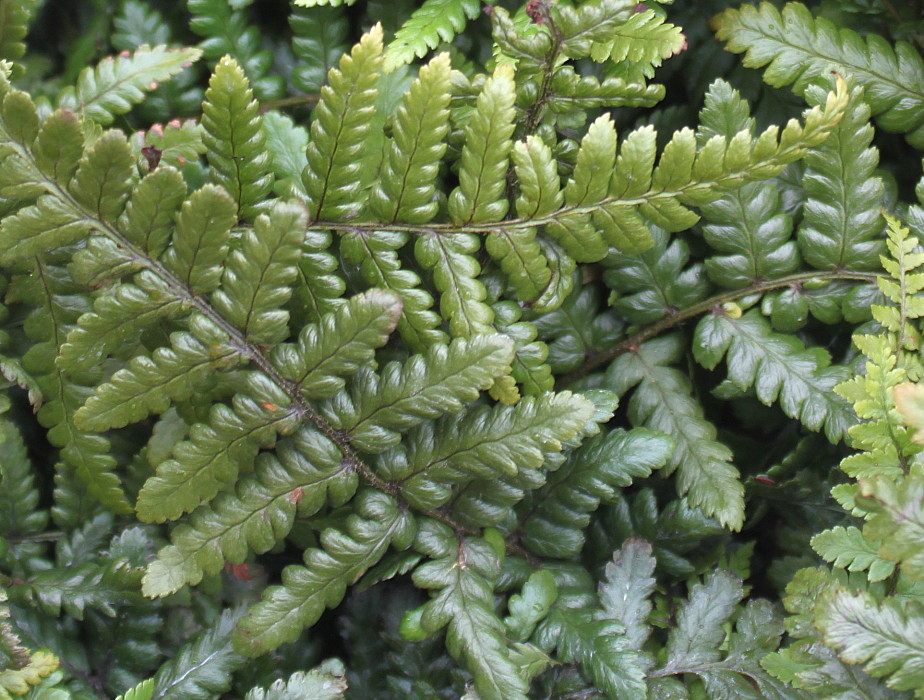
point(259, 274)
point(59, 145)
point(777, 367)
point(234, 138)
point(150, 384)
point(142, 691)
point(307, 590)
point(115, 85)
point(798, 49)
point(47, 224)
point(434, 21)
point(208, 461)
point(202, 238)
point(298, 478)
point(340, 344)
point(644, 38)
point(455, 274)
point(898, 520)
point(847, 548)
point(424, 387)
point(479, 198)
point(376, 254)
point(14, 24)
point(337, 174)
point(464, 604)
point(406, 188)
point(887, 638)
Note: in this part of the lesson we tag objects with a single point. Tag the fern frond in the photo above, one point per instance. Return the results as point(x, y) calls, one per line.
point(208, 461)
point(778, 367)
point(376, 254)
point(202, 238)
point(529, 368)
point(434, 21)
point(326, 682)
point(115, 85)
point(464, 604)
point(479, 198)
point(150, 384)
point(14, 25)
point(259, 274)
point(297, 478)
point(897, 522)
point(841, 224)
point(202, 667)
point(286, 144)
point(406, 190)
point(337, 174)
point(339, 345)
point(307, 590)
point(455, 274)
point(319, 38)
point(560, 511)
point(87, 454)
point(628, 585)
point(319, 289)
point(796, 49)
point(663, 401)
point(486, 443)
point(847, 548)
point(644, 38)
point(234, 138)
point(19, 497)
point(440, 381)
point(887, 637)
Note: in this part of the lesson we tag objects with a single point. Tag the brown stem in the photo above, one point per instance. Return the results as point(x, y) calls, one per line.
point(632, 342)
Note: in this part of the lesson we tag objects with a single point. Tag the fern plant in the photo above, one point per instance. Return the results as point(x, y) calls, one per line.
point(295, 373)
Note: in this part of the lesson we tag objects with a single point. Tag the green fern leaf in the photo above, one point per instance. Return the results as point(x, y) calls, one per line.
point(887, 638)
point(561, 510)
point(149, 213)
point(202, 667)
point(104, 176)
point(337, 175)
point(326, 682)
point(115, 85)
point(142, 691)
point(839, 229)
point(778, 367)
point(319, 289)
point(45, 225)
point(425, 387)
point(116, 321)
point(847, 548)
point(644, 38)
point(432, 22)
point(202, 238)
point(796, 48)
point(465, 605)
point(339, 345)
point(531, 605)
point(529, 368)
point(406, 188)
point(479, 198)
point(748, 225)
point(14, 24)
point(321, 3)
point(261, 511)
point(59, 145)
point(319, 38)
point(663, 402)
point(455, 275)
point(486, 443)
point(897, 521)
point(19, 497)
point(150, 384)
point(628, 585)
point(208, 461)
point(259, 273)
point(307, 590)
point(234, 138)
point(376, 254)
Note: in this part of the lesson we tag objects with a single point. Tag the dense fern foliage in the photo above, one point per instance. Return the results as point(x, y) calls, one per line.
point(440, 349)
